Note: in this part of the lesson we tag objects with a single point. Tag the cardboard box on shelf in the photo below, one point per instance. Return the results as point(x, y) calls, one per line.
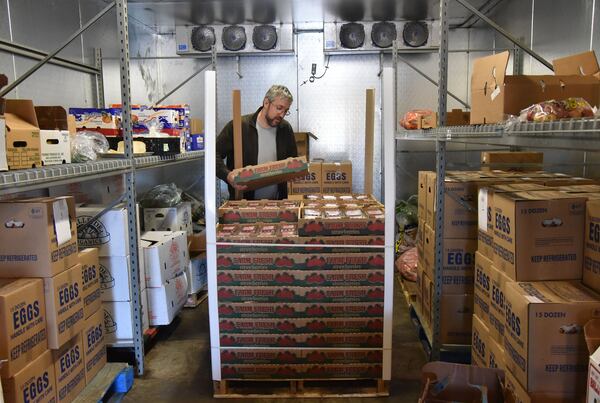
point(118, 323)
point(543, 338)
point(458, 262)
point(515, 393)
point(337, 177)
point(271, 173)
point(457, 117)
point(456, 315)
point(512, 160)
point(300, 261)
point(591, 261)
point(64, 306)
point(196, 126)
point(34, 383)
point(3, 160)
point(310, 183)
point(197, 243)
point(497, 355)
point(422, 194)
point(300, 310)
point(108, 233)
point(90, 272)
point(427, 295)
point(300, 326)
point(115, 275)
point(480, 344)
point(94, 349)
point(39, 237)
point(348, 221)
point(495, 94)
point(301, 294)
point(196, 273)
point(23, 318)
point(165, 256)
point(538, 235)
point(338, 340)
point(303, 143)
point(23, 148)
point(69, 369)
point(165, 302)
point(169, 218)
point(483, 287)
point(55, 147)
point(145, 310)
point(106, 121)
point(254, 211)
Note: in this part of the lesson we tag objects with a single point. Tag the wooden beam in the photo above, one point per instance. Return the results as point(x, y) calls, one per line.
point(237, 133)
point(369, 140)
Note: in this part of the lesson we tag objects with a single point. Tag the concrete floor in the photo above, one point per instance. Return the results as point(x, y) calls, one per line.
point(178, 365)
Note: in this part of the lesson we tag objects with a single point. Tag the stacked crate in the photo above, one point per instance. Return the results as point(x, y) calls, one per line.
point(294, 311)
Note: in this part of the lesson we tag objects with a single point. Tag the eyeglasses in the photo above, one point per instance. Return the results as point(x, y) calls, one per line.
point(280, 109)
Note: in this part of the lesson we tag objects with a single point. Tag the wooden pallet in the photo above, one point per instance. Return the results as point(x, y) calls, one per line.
point(196, 299)
point(114, 379)
point(236, 389)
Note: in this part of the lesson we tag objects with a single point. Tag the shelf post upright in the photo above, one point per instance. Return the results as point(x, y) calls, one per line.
point(130, 196)
point(99, 78)
point(441, 173)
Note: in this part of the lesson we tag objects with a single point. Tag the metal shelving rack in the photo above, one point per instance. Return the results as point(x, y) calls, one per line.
point(574, 135)
point(13, 182)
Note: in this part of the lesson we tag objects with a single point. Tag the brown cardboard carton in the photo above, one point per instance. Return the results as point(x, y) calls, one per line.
point(538, 235)
point(280, 262)
point(319, 371)
point(490, 289)
point(581, 64)
point(23, 148)
point(34, 383)
point(427, 293)
point(36, 241)
point(460, 207)
point(591, 262)
point(422, 195)
point(64, 306)
point(69, 369)
point(457, 117)
point(303, 143)
point(337, 177)
point(94, 348)
point(300, 326)
point(456, 314)
point(496, 355)
point(515, 393)
point(90, 273)
point(266, 211)
point(350, 221)
point(350, 340)
point(543, 338)
point(23, 318)
point(301, 278)
point(315, 294)
point(310, 183)
point(300, 310)
point(512, 160)
point(196, 126)
point(458, 260)
point(480, 343)
point(270, 173)
point(495, 94)
point(3, 161)
point(287, 357)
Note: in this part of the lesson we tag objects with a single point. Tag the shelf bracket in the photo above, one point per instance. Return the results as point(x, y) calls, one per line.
point(239, 68)
point(50, 55)
point(505, 33)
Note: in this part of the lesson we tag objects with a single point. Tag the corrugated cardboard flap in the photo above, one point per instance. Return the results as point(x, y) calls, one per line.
point(23, 109)
point(541, 195)
point(488, 72)
point(51, 117)
point(581, 64)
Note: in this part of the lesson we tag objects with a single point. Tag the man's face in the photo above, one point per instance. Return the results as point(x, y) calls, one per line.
point(275, 111)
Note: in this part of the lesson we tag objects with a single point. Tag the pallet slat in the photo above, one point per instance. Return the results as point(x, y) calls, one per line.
point(114, 378)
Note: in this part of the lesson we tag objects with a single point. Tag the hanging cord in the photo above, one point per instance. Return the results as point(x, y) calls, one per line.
point(312, 78)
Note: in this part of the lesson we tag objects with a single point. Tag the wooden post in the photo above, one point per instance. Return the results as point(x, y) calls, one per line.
point(237, 134)
point(369, 140)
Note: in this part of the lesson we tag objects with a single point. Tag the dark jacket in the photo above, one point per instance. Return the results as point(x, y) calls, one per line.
point(286, 147)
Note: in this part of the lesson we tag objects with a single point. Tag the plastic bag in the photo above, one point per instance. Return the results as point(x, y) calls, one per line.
point(162, 196)
point(197, 207)
point(86, 146)
point(578, 108)
point(552, 110)
point(411, 119)
point(406, 264)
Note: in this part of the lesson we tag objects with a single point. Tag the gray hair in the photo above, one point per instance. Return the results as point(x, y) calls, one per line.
point(279, 91)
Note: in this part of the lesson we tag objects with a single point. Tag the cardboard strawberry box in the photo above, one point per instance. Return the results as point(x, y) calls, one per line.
point(341, 221)
point(337, 371)
point(298, 261)
point(300, 326)
point(267, 211)
point(334, 340)
point(359, 198)
point(287, 357)
point(270, 173)
point(300, 294)
point(285, 310)
point(300, 278)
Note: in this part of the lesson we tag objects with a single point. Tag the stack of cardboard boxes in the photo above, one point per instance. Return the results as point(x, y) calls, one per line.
point(529, 302)
point(304, 307)
point(324, 177)
point(52, 334)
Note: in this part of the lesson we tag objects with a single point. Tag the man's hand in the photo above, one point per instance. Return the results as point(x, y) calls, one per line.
point(233, 184)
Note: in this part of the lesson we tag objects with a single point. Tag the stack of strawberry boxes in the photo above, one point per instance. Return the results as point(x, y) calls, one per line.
point(303, 282)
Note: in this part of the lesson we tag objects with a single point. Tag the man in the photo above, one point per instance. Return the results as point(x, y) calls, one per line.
point(266, 136)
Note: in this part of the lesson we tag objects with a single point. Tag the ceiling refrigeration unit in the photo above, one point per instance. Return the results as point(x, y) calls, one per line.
point(377, 36)
point(235, 39)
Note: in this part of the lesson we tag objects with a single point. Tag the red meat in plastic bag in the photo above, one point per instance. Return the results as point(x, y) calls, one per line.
point(406, 264)
point(411, 119)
